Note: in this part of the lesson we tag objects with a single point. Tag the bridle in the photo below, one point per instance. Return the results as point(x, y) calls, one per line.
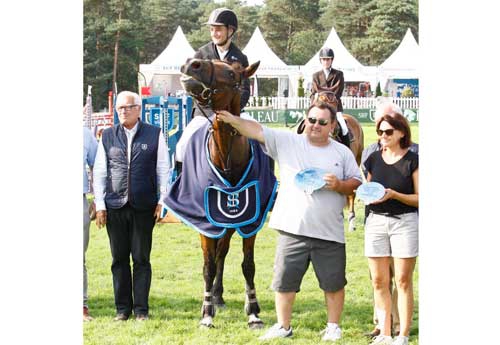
point(211, 89)
point(207, 100)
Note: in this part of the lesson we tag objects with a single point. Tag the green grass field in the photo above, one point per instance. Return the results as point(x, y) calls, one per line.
point(177, 290)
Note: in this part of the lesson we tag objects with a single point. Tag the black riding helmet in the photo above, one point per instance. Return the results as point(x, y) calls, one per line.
point(326, 53)
point(223, 16)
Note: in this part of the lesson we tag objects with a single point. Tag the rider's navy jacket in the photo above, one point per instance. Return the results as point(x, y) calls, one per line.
point(209, 51)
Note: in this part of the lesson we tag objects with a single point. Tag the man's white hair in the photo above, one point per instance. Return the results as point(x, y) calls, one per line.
point(137, 98)
point(386, 107)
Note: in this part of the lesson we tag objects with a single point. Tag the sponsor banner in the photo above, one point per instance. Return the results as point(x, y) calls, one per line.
point(291, 116)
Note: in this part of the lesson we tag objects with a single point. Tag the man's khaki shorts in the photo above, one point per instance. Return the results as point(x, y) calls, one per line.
point(390, 236)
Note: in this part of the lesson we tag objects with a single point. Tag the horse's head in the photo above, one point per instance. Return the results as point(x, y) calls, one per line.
point(327, 97)
point(323, 95)
point(216, 83)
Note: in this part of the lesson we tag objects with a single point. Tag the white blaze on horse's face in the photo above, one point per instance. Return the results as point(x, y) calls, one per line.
point(326, 63)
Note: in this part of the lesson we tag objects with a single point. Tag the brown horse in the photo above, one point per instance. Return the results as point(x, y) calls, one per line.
point(216, 84)
point(356, 145)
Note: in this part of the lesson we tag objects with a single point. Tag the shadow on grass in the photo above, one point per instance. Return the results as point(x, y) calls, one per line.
point(309, 314)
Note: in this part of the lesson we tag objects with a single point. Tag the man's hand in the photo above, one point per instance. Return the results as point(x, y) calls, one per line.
point(332, 182)
point(158, 209)
point(225, 116)
point(247, 128)
point(100, 219)
point(92, 213)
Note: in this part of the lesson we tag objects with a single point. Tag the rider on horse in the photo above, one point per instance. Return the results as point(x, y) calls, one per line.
point(223, 25)
point(330, 79)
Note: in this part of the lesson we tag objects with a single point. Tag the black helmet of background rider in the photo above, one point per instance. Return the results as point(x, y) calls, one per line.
point(226, 17)
point(326, 53)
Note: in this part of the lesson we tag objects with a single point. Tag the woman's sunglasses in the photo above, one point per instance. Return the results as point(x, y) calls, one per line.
point(322, 122)
point(387, 132)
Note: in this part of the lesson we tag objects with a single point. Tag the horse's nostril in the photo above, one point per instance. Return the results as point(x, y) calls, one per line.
point(196, 65)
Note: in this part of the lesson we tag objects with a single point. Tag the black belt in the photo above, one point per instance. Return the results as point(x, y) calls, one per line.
point(387, 214)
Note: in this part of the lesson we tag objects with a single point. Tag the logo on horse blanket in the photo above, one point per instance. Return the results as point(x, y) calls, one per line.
point(202, 199)
point(233, 207)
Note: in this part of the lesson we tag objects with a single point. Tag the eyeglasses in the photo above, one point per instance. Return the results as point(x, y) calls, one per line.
point(387, 132)
point(126, 107)
point(322, 122)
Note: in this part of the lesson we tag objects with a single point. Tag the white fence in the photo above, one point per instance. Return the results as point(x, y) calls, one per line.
point(347, 102)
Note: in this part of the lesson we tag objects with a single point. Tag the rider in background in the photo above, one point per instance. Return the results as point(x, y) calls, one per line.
point(330, 79)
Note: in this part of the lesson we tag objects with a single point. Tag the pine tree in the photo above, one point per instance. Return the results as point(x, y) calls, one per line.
point(282, 19)
point(110, 25)
point(389, 21)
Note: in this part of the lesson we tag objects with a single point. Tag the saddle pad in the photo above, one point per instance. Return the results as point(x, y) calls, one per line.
point(200, 184)
point(232, 207)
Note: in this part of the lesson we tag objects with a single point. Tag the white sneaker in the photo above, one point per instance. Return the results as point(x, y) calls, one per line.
point(382, 340)
point(331, 333)
point(400, 340)
point(276, 331)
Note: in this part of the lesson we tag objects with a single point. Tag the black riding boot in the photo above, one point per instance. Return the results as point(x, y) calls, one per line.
point(346, 140)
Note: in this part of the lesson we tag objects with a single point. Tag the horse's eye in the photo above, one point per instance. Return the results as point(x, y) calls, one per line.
point(231, 74)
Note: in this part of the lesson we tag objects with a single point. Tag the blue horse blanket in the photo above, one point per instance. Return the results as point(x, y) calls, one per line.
point(202, 199)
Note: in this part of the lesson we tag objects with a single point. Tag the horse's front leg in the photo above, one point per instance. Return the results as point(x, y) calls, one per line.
point(252, 307)
point(208, 245)
point(220, 257)
point(352, 215)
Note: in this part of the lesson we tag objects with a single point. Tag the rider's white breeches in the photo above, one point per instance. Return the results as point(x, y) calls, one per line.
point(342, 123)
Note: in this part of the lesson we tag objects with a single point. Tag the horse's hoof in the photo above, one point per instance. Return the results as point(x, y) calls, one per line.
point(203, 326)
point(254, 322)
point(255, 325)
point(206, 322)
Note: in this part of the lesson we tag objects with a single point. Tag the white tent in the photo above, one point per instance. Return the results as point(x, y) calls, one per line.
point(403, 62)
point(162, 75)
point(343, 60)
point(271, 66)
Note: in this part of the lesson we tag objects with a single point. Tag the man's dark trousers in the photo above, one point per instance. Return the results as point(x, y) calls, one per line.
point(130, 231)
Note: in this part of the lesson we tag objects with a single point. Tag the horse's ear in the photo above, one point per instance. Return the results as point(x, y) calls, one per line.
point(250, 70)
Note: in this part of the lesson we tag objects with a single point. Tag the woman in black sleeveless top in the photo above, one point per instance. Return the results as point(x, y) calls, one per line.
point(391, 228)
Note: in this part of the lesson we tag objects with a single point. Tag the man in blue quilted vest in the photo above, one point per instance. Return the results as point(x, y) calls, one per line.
point(130, 177)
